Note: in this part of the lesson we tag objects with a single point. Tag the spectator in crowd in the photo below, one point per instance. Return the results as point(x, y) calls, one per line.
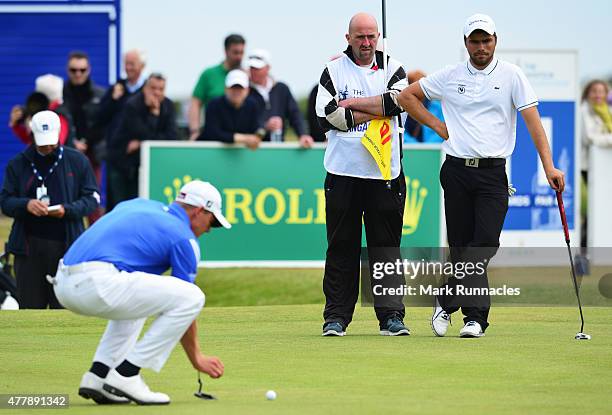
point(148, 115)
point(316, 132)
point(111, 112)
point(82, 97)
point(234, 117)
point(48, 189)
point(211, 83)
point(415, 132)
point(275, 101)
point(596, 130)
point(47, 96)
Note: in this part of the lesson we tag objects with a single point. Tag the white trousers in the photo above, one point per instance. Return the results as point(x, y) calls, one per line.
point(127, 299)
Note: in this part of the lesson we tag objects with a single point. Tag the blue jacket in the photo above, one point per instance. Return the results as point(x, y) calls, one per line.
point(281, 104)
point(223, 120)
point(78, 183)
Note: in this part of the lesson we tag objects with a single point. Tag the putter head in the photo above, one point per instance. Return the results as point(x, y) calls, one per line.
point(205, 396)
point(582, 336)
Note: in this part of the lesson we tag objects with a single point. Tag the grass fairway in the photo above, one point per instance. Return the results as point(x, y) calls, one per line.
point(527, 363)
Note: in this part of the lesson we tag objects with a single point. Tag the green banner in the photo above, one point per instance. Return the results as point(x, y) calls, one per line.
point(274, 197)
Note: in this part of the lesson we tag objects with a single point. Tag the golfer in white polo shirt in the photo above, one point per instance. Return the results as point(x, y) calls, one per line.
point(480, 100)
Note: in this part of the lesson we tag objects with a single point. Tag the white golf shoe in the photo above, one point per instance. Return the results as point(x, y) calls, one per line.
point(440, 320)
point(91, 388)
point(471, 329)
point(134, 388)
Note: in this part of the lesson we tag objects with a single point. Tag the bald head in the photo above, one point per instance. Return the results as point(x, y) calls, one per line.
point(362, 37)
point(134, 62)
point(361, 20)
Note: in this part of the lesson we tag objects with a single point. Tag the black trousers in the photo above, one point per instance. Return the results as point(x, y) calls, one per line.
point(122, 185)
point(348, 201)
point(33, 289)
point(475, 204)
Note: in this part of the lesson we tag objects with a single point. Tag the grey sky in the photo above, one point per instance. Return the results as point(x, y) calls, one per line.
point(182, 37)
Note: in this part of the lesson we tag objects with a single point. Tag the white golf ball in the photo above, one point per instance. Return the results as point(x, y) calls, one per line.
point(270, 395)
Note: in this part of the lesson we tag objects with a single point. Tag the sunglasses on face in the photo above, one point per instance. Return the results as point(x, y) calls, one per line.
point(77, 70)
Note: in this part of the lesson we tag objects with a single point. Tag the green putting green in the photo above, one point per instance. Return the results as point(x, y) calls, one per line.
point(528, 362)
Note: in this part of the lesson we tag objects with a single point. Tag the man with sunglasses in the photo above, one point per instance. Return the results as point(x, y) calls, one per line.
point(113, 271)
point(82, 97)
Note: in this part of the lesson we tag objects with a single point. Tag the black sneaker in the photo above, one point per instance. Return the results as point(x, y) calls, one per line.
point(333, 328)
point(395, 327)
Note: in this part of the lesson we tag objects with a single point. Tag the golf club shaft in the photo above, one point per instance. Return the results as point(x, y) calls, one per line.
point(384, 42)
point(384, 19)
point(569, 251)
point(576, 288)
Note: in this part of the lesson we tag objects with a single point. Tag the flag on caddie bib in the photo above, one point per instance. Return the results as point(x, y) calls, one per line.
point(377, 140)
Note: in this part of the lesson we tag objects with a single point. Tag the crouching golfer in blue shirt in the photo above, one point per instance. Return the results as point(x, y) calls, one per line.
point(112, 271)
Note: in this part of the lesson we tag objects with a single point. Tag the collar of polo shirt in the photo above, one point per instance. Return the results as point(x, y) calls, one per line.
point(486, 71)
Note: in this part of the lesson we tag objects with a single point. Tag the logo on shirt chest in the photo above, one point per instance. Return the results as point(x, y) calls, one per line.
point(343, 93)
point(461, 89)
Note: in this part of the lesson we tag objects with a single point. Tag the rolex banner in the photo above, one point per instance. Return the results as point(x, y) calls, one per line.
point(274, 197)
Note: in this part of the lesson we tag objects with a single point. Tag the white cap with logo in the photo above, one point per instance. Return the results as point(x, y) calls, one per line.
point(259, 58)
point(478, 21)
point(237, 77)
point(45, 126)
point(203, 194)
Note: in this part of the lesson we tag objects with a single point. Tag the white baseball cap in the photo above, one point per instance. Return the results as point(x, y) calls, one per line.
point(478, 21)
point(259, 58)
point(45, 126)
point(50, 85)
point(237, 77)
point(203, 194)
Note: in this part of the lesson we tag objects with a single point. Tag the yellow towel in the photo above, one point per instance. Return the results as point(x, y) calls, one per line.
point(378, 140)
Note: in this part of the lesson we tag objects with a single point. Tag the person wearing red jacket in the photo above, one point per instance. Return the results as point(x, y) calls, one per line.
point(47, 96)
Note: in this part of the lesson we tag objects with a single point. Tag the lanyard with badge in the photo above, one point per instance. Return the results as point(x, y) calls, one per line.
point(41, 191)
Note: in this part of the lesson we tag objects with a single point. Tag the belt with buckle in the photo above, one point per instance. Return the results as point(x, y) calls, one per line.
point(477, 162)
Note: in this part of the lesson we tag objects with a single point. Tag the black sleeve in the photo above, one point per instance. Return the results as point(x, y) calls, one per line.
point(88, 196)
point(169, 131)
point(108, 107)
point(294, 114)
point(127, 131)
point(10, 201)
point(311, 116)
point(257, 122)
point(213, 129)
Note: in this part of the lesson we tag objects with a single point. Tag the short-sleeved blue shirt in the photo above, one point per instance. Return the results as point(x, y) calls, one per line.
point(141, 235)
